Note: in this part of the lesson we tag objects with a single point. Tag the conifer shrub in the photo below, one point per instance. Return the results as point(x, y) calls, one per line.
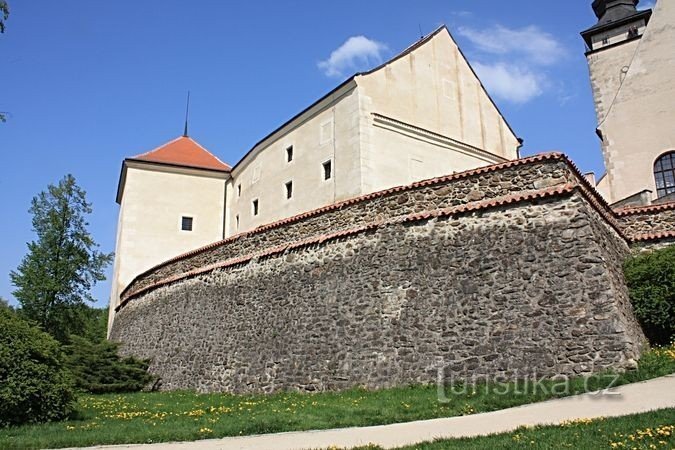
point(651, 283)
point(97, 368)
point(34, 385)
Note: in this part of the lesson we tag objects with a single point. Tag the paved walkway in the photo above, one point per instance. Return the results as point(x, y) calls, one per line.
point(629, 399)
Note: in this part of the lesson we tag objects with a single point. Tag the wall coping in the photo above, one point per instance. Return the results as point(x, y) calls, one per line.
point(416, 217)
point(644, 209)
point(653, 236)
point(557, 191)
point(593, 196)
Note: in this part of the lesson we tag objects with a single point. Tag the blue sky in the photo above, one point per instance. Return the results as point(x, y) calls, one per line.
point(87, 83)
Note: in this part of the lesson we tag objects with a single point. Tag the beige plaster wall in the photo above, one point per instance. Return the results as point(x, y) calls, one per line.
point(639, 126)
point(149, 226)
point(436, 89)
point(329, 132)
point(404, 154)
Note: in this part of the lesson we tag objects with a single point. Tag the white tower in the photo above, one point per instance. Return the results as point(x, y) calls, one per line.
point(631, 58)
point(172, 199)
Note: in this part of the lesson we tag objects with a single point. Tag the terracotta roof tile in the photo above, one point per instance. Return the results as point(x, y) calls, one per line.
point(653, 236)
point(365, 197)
point(183, 151)
point(644, 209)
point(566, 189)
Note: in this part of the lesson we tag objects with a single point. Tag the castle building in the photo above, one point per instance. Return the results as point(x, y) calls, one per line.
point(421, 114)
point(320, 261)
point(632, 68)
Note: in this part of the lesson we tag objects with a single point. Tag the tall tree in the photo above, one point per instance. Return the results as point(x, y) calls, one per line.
point(55, 277)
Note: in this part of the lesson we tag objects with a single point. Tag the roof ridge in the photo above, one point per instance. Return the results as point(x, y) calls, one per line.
point(346, 82)
point(206, 150)
point(159, 147)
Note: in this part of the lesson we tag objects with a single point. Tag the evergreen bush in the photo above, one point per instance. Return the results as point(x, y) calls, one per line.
point(651, 284)
point(34, 386)
point(98, 369)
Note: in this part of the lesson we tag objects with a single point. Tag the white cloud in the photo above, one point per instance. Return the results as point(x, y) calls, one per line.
point(358, 52)
point(537, 46)
point(510, 82)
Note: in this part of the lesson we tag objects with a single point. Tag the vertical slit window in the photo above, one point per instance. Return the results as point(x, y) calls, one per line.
point(327, 170)
point(289, 189)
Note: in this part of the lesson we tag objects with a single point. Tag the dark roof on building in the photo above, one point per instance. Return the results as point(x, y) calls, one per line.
point(613, 13)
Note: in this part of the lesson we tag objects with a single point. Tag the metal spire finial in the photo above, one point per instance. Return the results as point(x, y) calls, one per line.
point(187, 114)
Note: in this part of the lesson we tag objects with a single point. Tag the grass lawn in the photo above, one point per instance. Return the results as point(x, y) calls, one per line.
point(653, 430)
point(185, 416)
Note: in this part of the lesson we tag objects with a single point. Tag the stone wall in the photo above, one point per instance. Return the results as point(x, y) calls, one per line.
point(460, 276)
point(504, 180)
point(648, 223)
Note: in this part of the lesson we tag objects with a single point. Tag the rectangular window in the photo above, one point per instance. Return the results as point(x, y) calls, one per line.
point(237, 221)
point(239, 190)
point(289, 189)
point(255, 207)
point(327, 170)
point(289, 154)
point(186, 223)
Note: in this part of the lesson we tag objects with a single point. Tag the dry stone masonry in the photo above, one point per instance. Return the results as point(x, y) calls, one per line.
point(506, 272)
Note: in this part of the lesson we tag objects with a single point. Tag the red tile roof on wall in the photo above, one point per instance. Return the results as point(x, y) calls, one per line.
point(183, 151)
point(632, 210)
point(566, 189)
point(373, 195)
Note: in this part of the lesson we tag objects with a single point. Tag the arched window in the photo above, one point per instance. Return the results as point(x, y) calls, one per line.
point(664, 173)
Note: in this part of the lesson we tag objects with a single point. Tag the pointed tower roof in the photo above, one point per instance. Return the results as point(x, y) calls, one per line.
point(185, 152)
point(182, 152)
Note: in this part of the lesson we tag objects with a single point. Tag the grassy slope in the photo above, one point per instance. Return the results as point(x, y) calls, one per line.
point(184, 416)
point(641, 431)
point(653, 430)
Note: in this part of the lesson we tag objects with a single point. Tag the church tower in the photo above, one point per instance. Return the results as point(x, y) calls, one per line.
point(172, 200)
point(631, 58)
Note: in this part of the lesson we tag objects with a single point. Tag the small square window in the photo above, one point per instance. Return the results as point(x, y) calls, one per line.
point(255, 207)
point(327, 170)
point(289, 189)
point(239, 190)
point(186, 223)
point(289, 154)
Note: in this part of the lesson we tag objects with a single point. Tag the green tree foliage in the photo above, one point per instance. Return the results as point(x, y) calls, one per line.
point(95, 323)
point(55, 277)
point(97, 368)
point(34, 386)
point(651, 283)
point(4, 304)
point(4, 14)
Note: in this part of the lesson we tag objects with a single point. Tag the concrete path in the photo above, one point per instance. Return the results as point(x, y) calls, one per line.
point(629, 399)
